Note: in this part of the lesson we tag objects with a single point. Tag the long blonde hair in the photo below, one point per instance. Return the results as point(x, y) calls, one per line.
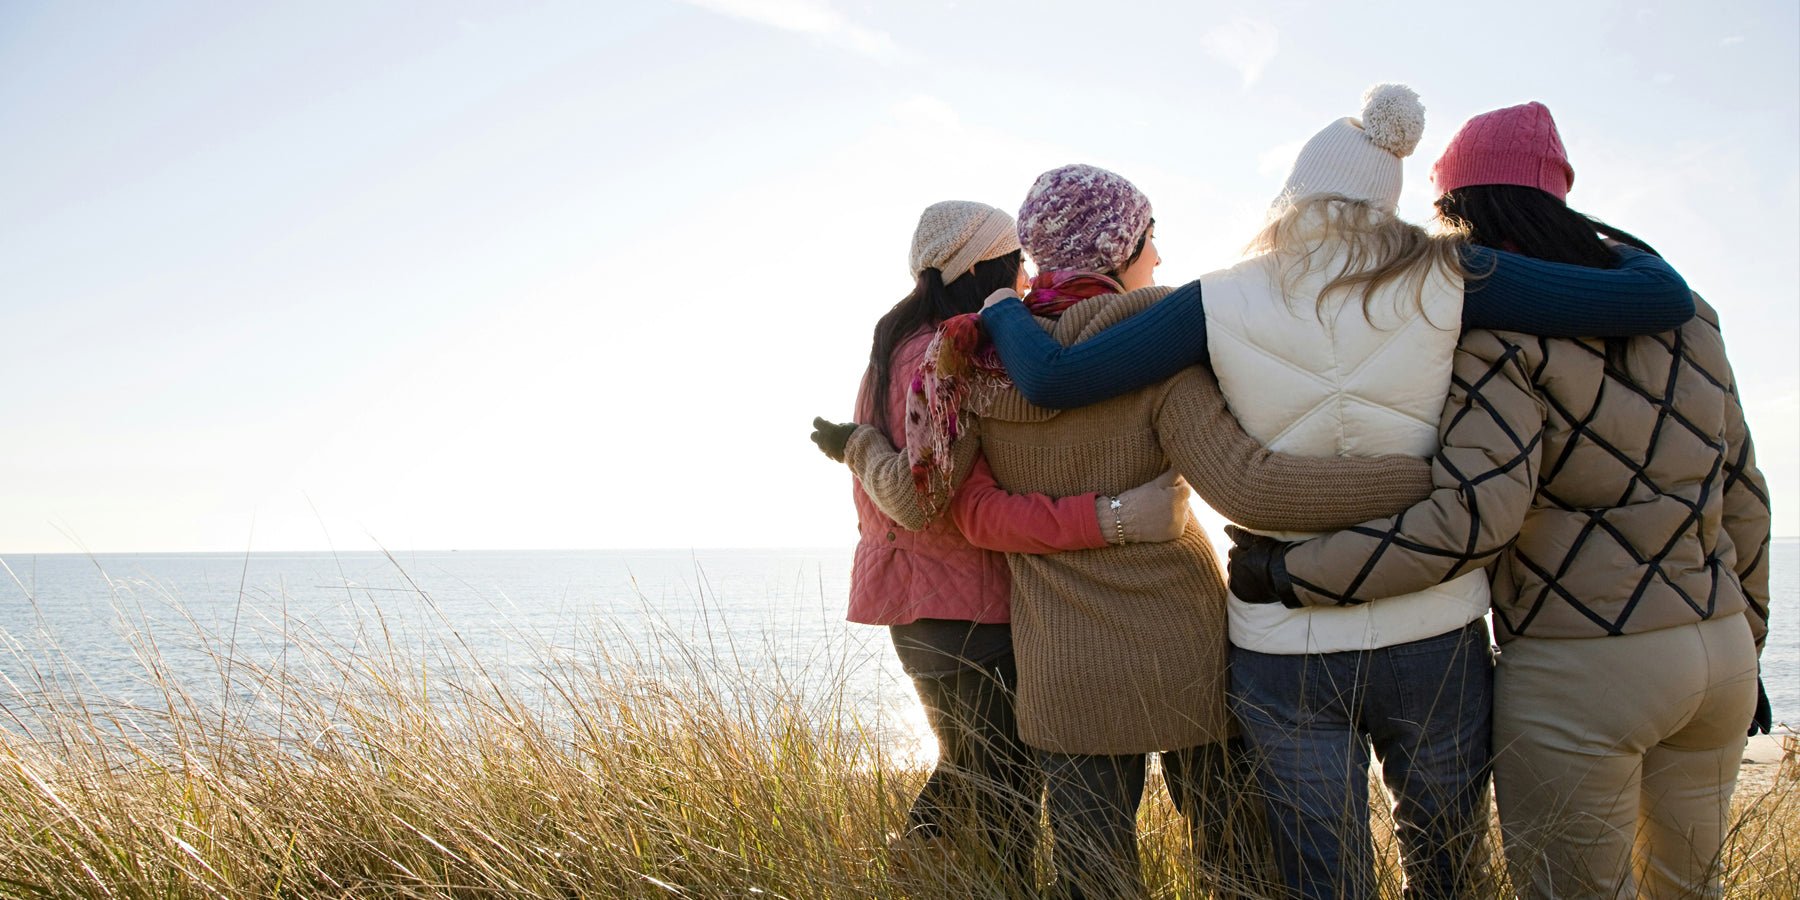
point(1378, 247)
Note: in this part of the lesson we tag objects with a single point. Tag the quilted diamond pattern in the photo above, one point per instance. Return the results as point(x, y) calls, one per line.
point(1639, 502)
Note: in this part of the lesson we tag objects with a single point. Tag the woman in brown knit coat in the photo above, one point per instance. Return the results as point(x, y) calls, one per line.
point(1121, 650)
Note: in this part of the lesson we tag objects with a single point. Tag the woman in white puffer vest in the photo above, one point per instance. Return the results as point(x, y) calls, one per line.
point(1337, 340)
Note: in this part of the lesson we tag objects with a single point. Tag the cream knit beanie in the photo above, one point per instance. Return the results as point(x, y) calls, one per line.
point(1361, 159)
point(956, 234)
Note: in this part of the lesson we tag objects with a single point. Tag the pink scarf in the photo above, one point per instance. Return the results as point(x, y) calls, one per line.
point(962, 370)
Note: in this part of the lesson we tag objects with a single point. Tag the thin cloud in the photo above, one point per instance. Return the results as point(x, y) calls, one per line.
point(927, 112)
point(814, 17)
point(1734, 39)
point(1277, 160)
point(1245, 44)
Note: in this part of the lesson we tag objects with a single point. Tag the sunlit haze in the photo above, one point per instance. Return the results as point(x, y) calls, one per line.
point(578, 275)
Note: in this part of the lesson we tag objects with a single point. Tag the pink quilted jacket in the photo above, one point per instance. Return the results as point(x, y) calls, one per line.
point(899, 576)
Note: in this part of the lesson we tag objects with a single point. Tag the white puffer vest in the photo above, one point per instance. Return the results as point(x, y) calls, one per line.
point(1340, 387)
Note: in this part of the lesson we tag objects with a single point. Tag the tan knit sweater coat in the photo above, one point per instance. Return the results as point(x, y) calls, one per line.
point(1122, 649)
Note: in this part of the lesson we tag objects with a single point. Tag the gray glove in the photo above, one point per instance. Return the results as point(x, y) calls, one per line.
point(832, 437)
point(1152, 512)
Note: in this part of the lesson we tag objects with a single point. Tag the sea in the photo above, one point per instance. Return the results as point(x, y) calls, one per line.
point(113, 628)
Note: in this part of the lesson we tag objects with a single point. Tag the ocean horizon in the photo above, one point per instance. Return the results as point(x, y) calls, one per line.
point(755, 615)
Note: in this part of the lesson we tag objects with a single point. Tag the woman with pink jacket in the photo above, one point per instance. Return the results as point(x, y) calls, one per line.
point(940, 582)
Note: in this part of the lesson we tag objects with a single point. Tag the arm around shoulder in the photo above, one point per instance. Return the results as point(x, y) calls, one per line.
point(989, 516)
point(1261, 488)
point(993, 518)
point(886, 475)
point(1514, 292)
point(1142, 350)
point(1485, 477)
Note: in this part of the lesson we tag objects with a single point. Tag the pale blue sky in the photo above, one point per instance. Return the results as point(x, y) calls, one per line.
point(437, 275)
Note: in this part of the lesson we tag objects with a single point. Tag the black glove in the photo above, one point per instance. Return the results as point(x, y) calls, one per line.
point(1258, 572)
point(1764, 720)
point(832, 437)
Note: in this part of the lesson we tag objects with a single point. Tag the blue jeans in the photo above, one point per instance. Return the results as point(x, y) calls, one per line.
point(1425, 707)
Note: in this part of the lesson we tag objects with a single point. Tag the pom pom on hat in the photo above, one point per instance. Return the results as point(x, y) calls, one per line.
point(1081, 217)
point(1361, 160)
point(1393, 118)
point(954, 235)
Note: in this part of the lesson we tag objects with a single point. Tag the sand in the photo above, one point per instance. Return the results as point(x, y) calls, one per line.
point(1762, 762)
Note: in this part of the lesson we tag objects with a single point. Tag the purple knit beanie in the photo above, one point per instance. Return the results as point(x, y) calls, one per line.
point(1082, 217)
point(1515, 145)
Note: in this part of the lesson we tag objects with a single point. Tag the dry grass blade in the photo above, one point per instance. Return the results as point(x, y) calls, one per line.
point(402, 767)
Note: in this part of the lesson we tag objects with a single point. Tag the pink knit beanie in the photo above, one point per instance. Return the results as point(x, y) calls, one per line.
point(1515, 145)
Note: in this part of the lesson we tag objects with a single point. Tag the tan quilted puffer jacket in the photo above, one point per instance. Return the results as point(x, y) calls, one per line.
point(1611, 484)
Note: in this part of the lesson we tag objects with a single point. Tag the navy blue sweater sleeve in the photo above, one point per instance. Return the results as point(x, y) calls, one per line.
point(1519, 293)
point(1142, 350)
point(1513, 293)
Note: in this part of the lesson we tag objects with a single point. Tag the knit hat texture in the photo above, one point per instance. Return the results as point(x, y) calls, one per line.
point(1515, 145)
point(1082, 217)
point(1360, 159)
point(956, 234)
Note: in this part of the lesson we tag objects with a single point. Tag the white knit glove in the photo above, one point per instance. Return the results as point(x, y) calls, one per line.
point(1149, 513)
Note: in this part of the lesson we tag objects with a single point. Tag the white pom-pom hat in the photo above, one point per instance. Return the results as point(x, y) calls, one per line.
point(1359, 159)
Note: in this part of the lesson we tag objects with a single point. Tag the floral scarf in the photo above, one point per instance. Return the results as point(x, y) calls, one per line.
point(961, 370)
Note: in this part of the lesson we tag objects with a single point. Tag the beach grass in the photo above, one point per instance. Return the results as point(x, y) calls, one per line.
point(401, 767)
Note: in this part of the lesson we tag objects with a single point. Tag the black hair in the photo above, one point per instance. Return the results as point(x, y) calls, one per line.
point(1142, 242)
point(931, 302)
point(1532, 222)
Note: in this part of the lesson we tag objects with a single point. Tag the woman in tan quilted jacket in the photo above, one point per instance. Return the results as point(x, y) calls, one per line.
point(1121, 650)
point(1612, 487)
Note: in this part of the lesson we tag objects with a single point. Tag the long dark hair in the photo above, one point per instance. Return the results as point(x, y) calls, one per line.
point(1530, 221)
point(931, 302)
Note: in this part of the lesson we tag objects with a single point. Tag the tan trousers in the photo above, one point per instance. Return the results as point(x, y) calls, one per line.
point(1615, 757)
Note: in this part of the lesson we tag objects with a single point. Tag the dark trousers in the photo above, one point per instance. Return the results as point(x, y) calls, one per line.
point(1424, 708)
point(984, 791)
point(1093, 802)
